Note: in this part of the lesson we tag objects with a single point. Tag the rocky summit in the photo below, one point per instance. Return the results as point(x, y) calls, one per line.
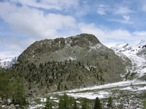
point(68, 63)
point(59, 49)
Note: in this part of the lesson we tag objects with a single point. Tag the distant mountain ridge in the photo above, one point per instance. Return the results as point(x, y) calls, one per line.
point(7, 62)
point(125, 47)
point(137, 55)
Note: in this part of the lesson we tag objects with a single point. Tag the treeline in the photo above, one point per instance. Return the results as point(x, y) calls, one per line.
point(25, 79)
point(66, 102)
point(65, 75)
point(12, 88)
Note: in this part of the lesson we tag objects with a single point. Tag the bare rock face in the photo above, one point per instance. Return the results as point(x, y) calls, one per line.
point(67, 63)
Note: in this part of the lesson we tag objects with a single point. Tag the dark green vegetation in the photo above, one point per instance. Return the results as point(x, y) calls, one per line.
point(56, 76)
point(97, 104)
point(49, 104)
point(12, 88)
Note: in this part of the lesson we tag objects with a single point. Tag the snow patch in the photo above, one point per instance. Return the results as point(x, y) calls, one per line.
point(38, 106)
point(90, 95)
point(97, 46)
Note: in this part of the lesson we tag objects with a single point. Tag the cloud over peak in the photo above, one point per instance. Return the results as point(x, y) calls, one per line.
point(26, 21)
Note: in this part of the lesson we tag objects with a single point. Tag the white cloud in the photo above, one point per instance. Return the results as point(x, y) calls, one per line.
point(125, 19)
point(123, 10)
point(11, 46)
point(7, 49)
point(124, 13)
point(105, 34)
point(6, 54)
point(119, 34)
point(90, 28)
point(49, 4)
point(140, 34)
point(34, 22)
point(101, 10)
point(110, 37)
point(144, 7)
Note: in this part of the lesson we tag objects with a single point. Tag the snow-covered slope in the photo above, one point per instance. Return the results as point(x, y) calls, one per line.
point(7, 62)
point(137, 55)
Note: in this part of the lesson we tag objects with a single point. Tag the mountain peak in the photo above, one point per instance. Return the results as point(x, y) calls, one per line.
point(122, 47)
point(49, 47)
point(83, 40)
point(141, 44)
point(73, 57)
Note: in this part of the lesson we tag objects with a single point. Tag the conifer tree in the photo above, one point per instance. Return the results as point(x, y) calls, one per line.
point(65, 102)
point(85, 104)
point(97, 104)
point(4, 86)
point(18, 92)
point(109, 102)
point(75, 105)
point(12, 87)
point(144, 105)
point(48, 103)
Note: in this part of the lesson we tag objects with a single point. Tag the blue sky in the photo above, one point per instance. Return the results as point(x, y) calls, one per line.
point(113, 21)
